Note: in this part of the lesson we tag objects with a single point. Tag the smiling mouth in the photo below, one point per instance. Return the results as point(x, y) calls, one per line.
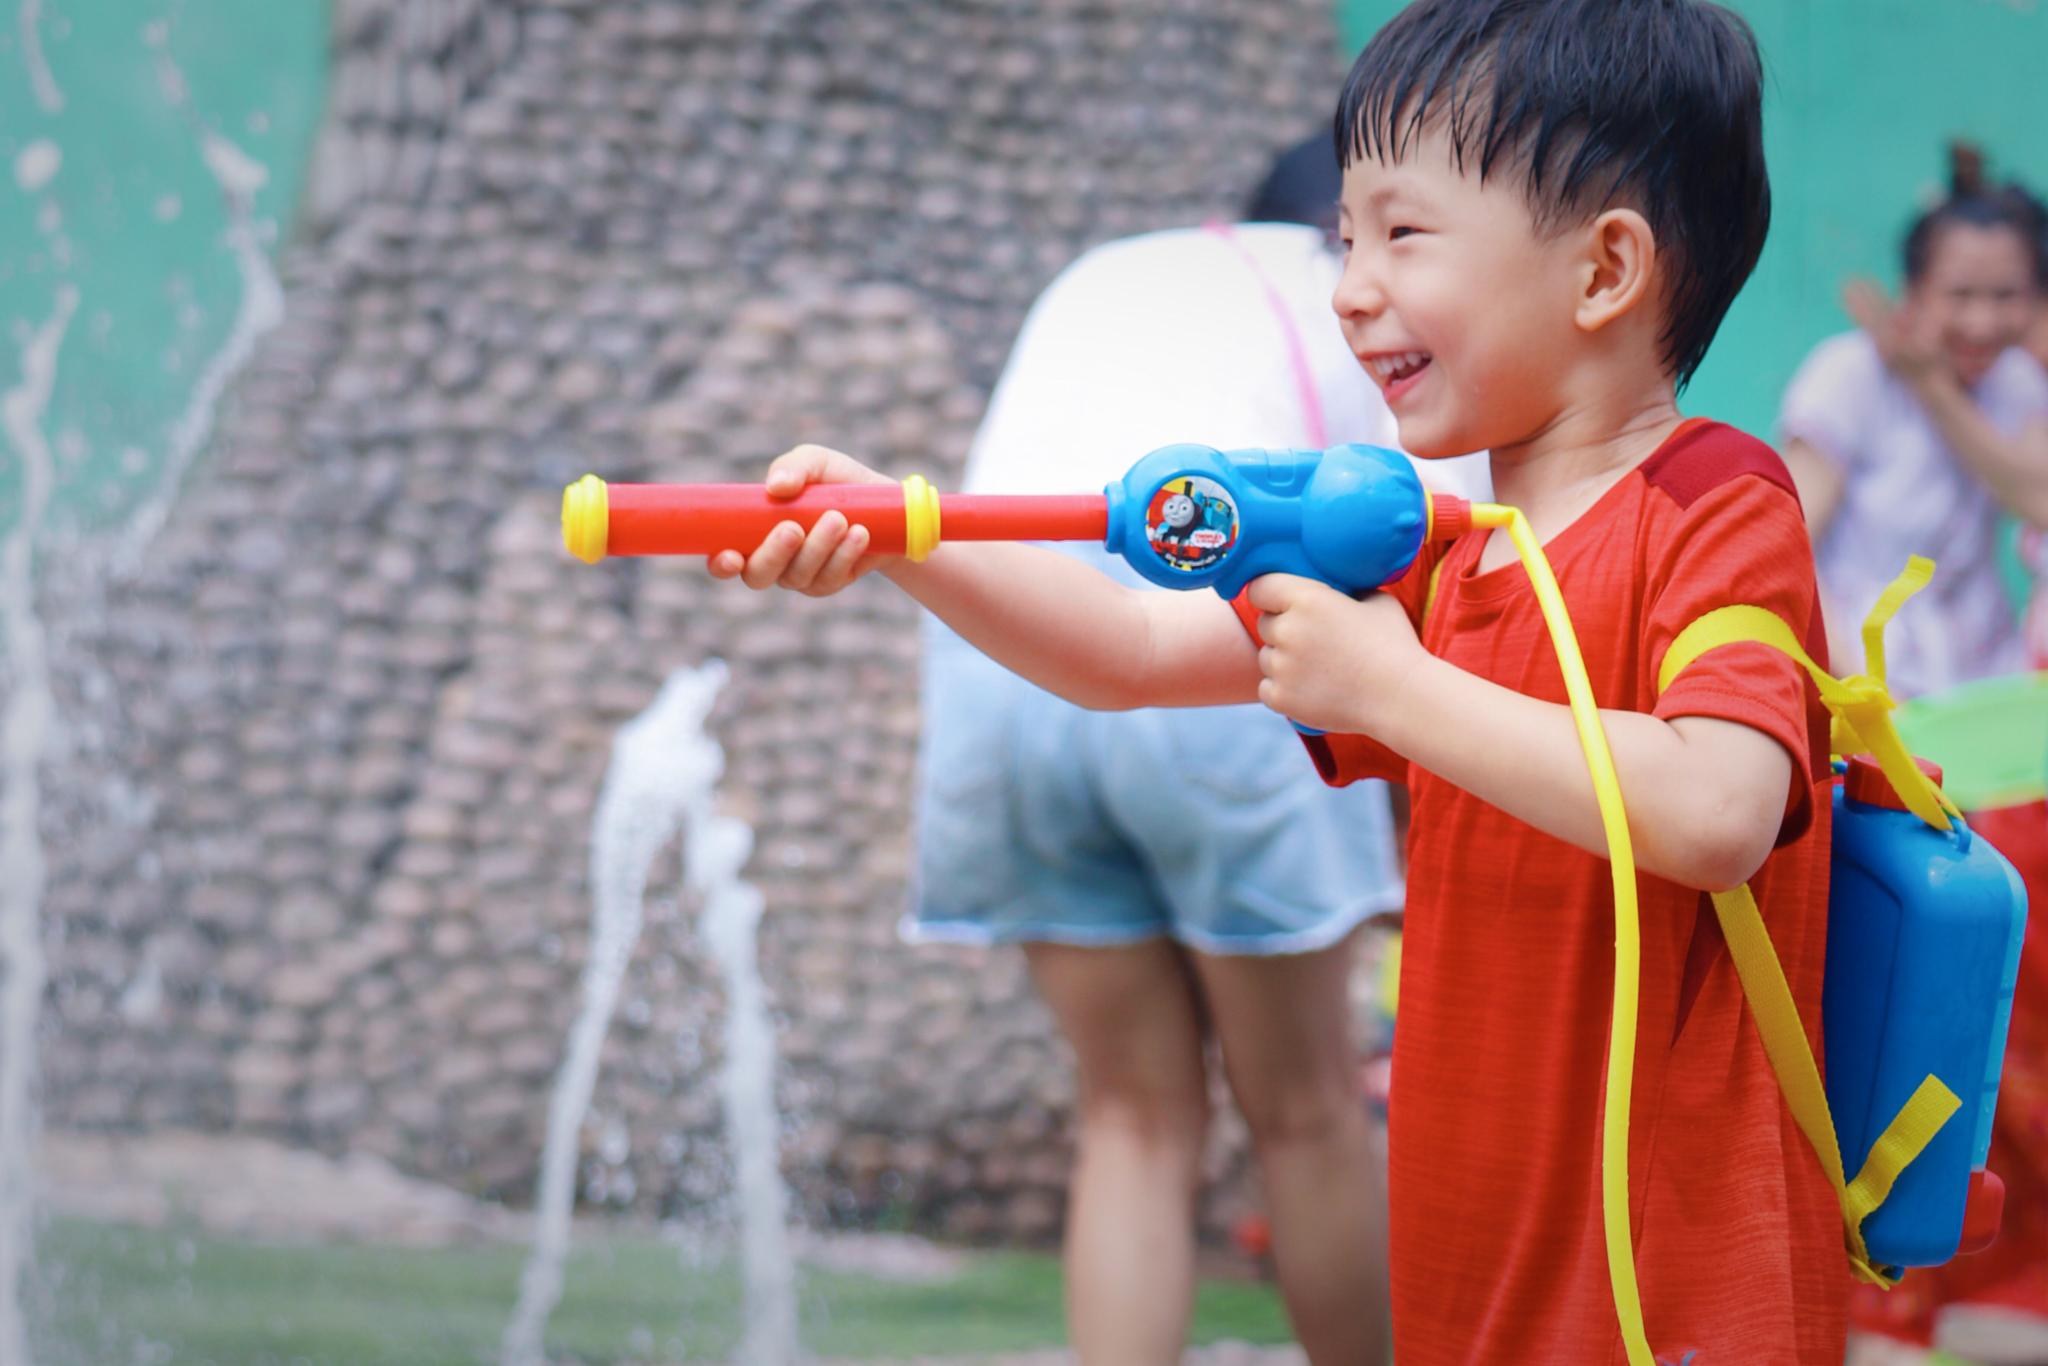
point(1396, 367)
point(1400, 365)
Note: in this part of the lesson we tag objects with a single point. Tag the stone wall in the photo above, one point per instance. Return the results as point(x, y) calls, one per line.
point(321, 828)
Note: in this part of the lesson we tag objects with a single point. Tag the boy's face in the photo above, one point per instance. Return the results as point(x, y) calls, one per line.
point(1457, 306)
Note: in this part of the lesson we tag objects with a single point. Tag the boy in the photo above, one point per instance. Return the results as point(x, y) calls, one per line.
point(1548, 206)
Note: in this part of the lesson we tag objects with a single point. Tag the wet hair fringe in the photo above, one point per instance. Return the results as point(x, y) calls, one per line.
point(1656, 104)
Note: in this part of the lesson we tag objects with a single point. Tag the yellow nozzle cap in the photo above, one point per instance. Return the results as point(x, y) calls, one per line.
point(586, 518)
point(920, 518)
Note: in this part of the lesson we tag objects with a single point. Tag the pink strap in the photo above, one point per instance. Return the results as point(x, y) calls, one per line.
point(1297, 354)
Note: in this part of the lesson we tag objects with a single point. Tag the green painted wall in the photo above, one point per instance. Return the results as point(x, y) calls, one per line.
point(143, 219)
point(1863, 97)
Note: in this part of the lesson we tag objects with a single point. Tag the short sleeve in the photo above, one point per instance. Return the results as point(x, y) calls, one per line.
point(1346, 759)
point(1831, 398)
point(1745, 542)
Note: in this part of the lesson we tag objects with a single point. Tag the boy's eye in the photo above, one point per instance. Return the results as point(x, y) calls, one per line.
point(1396, 234)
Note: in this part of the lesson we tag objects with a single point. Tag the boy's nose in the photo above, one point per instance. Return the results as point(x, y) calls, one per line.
point(1359, 294)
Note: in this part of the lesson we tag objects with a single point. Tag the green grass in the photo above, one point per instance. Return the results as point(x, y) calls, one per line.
point(627, 1299)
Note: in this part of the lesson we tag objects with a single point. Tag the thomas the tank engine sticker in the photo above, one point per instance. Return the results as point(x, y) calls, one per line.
point(1191, 523)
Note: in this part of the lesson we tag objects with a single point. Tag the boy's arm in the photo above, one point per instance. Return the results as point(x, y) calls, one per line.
point(1705, 797)
point(1044, 616)
point(1078, 633)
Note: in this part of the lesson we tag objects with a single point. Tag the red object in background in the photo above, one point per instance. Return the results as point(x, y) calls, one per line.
point(703, 519)
point(2009, 1273)
point(1253, 1236)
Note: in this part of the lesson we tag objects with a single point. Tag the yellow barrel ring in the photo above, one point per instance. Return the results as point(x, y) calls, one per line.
point(586, 518)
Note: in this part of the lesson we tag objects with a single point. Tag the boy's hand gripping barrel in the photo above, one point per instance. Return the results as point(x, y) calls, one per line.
point(1185, 516)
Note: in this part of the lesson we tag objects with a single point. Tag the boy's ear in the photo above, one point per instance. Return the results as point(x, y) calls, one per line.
point(1620, 259)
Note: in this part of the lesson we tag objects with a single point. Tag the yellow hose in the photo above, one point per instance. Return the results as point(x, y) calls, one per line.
point(1628, 950)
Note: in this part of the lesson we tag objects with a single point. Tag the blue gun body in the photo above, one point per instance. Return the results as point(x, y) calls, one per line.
point(1190, 516)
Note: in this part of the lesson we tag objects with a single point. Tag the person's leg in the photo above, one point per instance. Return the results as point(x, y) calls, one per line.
point(1132, 1016)
point(1283, 1022)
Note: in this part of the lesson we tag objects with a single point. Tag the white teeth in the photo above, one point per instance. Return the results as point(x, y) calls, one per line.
point(1399, 366)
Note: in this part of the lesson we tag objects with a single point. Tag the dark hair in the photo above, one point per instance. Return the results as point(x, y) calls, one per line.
point(1657, 104)
point(1973, 200)
point(1301, 186)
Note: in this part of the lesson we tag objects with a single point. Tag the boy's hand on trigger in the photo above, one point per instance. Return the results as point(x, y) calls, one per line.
point(1331, 662)
point(832, 556)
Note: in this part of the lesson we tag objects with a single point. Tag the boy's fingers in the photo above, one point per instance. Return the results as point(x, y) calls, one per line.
point(793, 470)
point(817, 549)
point(726, 564)
point(768, 563)
point(845, 565)
point(1267, 593)
point(789, 472)
point(1276, 592)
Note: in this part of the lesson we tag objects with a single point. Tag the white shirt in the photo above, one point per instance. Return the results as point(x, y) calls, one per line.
point(1905, 493)
point(1220, 336)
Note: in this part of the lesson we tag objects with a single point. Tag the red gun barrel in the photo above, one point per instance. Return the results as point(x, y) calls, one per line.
point(1024, 517)
point(703, 519)
point(600, 519)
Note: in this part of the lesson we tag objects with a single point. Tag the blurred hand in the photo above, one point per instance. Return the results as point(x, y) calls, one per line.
point(1905, 338)
point(832, 556)
point(1331, 662)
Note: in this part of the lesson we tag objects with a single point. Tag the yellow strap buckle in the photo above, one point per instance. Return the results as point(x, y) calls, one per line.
point(1791, 1058)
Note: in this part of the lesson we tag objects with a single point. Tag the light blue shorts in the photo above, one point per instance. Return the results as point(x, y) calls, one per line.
point(1040, 821)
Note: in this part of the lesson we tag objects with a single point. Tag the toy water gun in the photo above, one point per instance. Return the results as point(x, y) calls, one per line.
point(1355, 517)
point(1185, 516)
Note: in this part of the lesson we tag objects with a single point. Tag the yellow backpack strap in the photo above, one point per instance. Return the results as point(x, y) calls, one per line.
point(1861, 704)
point(1436, 574)
point(1861, 707)
point(1791, 1058)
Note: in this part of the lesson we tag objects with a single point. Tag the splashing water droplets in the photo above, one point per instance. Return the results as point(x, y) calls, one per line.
point(24, 729)
point(663, 781)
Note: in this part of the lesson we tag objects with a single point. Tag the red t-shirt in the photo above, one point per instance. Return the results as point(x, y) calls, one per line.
point(1507, 967)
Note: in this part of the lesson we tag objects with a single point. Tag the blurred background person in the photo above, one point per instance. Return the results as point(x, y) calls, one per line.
point(1912, 433)
point(1174, 875)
